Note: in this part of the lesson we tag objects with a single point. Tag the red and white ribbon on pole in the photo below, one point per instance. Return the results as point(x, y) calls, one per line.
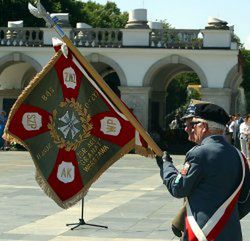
point(216, 223)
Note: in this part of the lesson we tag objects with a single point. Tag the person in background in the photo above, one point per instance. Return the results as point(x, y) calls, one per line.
point(245, 136)
point(230, 128)
point(211, 180)
point(236, 133)
point(3, 120)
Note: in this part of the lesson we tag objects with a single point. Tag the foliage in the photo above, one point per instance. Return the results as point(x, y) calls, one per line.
point(165, 24)
point(94, 14)
point(104, 16)
point(177, 91)
point(236, 39)
point(246, 76)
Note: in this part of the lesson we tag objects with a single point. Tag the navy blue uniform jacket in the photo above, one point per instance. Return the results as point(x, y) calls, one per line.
point(214, 173)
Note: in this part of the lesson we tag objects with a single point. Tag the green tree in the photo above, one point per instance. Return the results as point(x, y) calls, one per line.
point(178, 95)
point(97, 15)
point(236, 39)
point(165, 24)
point(245, 55)
point(104, 16)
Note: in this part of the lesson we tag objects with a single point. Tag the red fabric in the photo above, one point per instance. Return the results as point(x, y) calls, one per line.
point(245, 161)
point(57, 47)
point(65, 190)
point(143, 142)
point(61, 64)
point(124, 136)
point(189, 231)
point(220, 225)
point(16, 127)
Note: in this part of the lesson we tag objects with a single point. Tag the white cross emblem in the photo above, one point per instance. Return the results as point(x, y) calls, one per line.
point(70, 125)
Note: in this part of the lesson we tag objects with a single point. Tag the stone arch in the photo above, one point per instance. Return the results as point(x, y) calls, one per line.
point(234, 78)
point(99, 58)
point(174, 59)
point(232, 82)
point(172, 74)
point(28, 76)
point(18, 57)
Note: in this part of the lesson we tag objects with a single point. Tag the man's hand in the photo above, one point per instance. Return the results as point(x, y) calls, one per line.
point(161, 159)
point(166, 157)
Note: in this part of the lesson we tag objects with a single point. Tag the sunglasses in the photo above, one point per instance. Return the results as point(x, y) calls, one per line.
point(192, 123)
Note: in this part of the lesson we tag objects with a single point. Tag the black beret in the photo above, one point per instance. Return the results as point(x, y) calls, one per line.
point(211, 112)
point(190, 112)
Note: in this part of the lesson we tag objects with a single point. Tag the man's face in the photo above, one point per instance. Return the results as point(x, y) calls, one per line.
point(199, 130)
point(189, 129)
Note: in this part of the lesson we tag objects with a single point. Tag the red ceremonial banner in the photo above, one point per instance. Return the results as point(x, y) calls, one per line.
point(72, 129)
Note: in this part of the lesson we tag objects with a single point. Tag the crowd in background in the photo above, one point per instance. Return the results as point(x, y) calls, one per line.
point(238, 133)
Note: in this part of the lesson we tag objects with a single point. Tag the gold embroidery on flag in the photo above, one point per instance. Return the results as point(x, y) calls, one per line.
point(85, 119)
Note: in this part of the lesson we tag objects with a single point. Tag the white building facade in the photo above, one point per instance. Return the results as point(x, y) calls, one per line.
point(144, 61)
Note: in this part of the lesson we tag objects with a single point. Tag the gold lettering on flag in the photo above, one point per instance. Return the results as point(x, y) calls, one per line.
point(44, 151)
point(91, 99)
point(110, 126)
point(48, 93)
point(32, 121)
point(90, 154)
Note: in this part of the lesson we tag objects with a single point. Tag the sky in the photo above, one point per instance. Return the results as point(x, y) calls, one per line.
point(193, 14)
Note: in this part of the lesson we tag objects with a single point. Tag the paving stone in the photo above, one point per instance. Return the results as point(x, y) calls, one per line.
point(129, 198)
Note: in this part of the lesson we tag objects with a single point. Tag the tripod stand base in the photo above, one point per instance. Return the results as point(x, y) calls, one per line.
point(82, 222)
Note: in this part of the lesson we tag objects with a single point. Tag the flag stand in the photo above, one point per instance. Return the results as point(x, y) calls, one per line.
point(82, 222)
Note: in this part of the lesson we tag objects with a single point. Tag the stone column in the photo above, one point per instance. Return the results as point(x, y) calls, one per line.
point(48, 34)
point(63, 22)
point(160, 97)
point(1, 102)
point(216, 38)
point(218, 96)
point(137, 98)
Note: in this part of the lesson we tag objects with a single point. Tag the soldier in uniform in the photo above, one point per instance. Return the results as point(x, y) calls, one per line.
point(212, 179)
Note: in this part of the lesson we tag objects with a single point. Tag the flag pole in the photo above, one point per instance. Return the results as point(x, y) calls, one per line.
point(40, 12)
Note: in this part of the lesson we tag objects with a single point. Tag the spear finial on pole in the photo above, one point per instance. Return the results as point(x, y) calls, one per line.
point(40, 12)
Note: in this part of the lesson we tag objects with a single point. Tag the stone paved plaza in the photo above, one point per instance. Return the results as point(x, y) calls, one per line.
point(129, 198)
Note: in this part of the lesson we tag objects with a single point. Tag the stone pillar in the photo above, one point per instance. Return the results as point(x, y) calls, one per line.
point(48, 34)
point(12, 34)
point(137, 98)
point(136, 32)
point(218, 96)
point(155, 25)
point(137, 19)
point(1, 102)
point(135, 37)
point(238, 102)
point(160, 97)
point(216, 38)
point(63, 19)
point(63, 22)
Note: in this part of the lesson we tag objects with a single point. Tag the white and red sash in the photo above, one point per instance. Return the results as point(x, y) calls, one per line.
point(216, 223)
